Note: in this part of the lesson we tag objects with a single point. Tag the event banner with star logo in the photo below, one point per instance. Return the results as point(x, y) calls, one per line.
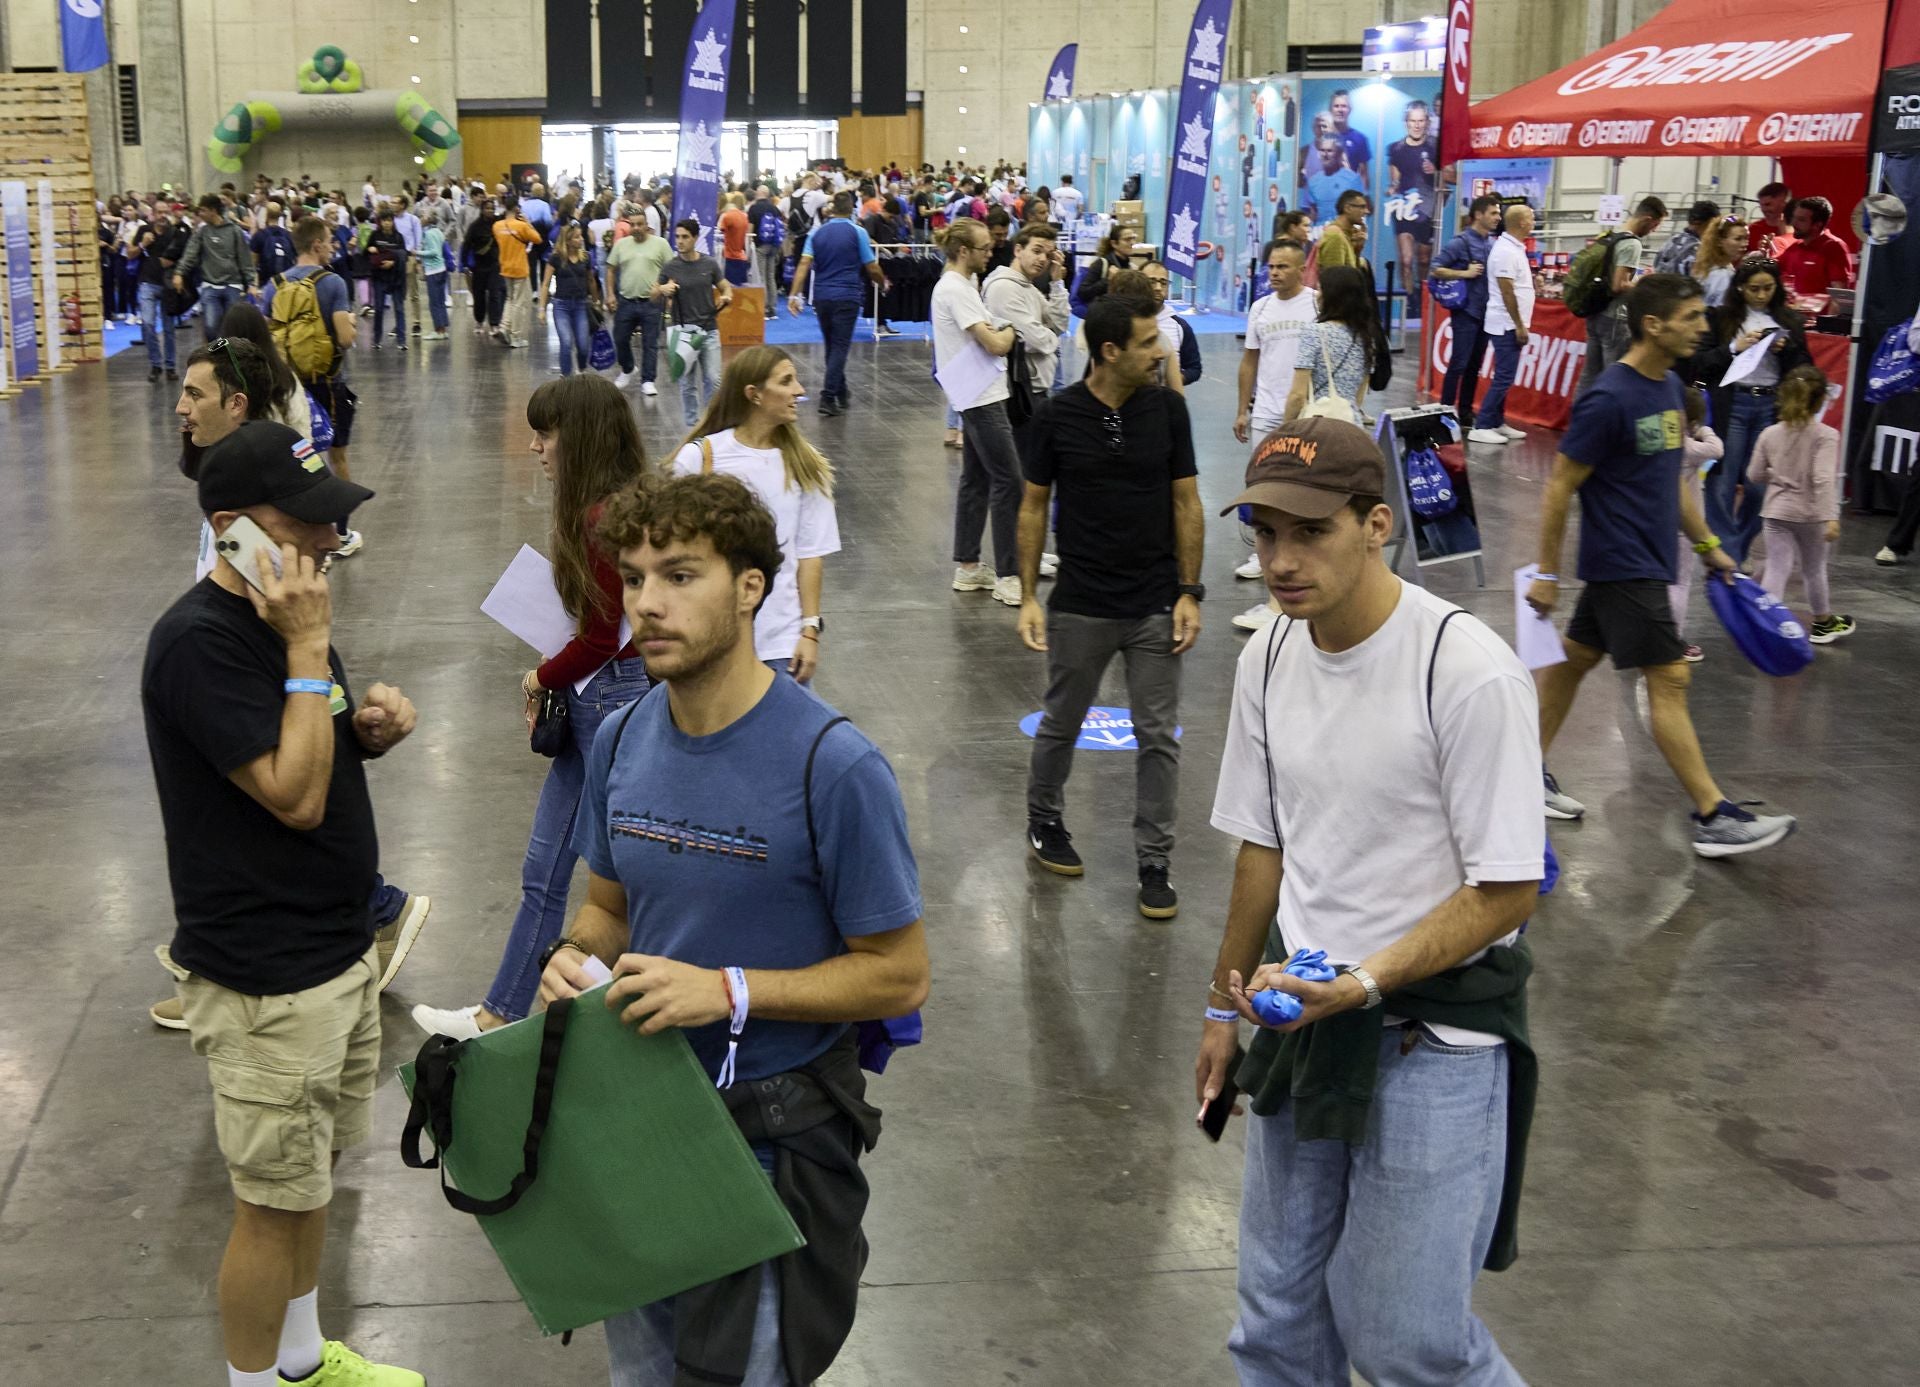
point(1193, 135)
point(703, 113)
point(1060, 75)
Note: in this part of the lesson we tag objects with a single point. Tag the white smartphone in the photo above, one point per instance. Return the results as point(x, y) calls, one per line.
point(240, 545)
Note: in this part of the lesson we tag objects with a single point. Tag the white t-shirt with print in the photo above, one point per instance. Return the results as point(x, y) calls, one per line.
point(804, 522)
point(957, 306)
point(1380, 817)
point(1273, 330)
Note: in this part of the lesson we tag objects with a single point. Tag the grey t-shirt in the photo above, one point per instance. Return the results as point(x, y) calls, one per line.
point(697, 280)
point(1627, 254)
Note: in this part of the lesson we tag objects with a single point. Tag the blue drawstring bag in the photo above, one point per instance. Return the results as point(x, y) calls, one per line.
point(601, 354)
point(1895, 369)
point(322, 427)
point(1448, 293)
point(1761, 625)
point(1429, 491)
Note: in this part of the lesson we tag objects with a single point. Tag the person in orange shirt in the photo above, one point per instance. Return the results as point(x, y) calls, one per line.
point(735, 255)
point(513, 234)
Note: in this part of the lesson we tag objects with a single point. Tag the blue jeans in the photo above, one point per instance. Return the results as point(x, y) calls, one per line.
point(644, 315)
point(215, 300)
point(1368, 1253)
point(437, 301)
point(703, 375)
point(1463, 363)
point(837, 318)
point(1506, 365)
point(570, 320)
point(1737, 522)
point(396, 295)
point(155, 324)
point(385, 902)
point(548, 868)
point(640, 1342)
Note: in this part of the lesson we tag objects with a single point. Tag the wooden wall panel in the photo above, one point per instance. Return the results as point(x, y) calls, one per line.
point(43, 135)
point(868, 142)
point(490, 145)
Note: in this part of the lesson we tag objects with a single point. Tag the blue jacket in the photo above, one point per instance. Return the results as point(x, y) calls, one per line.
point(1470, 247)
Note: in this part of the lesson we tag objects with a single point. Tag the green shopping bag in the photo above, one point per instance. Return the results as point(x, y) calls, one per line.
point(684, 345)
point(601, 1163)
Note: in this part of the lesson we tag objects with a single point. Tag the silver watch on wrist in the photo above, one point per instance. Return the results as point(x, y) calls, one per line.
point(1365, 979)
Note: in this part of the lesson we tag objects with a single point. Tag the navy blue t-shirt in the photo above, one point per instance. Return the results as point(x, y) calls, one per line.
point(708, 835)
point(1630, 431)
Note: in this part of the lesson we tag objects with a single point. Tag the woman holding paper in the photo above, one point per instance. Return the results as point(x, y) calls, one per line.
point(589, 448)
point(1755, 306)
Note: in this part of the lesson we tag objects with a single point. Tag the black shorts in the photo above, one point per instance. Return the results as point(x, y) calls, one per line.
point(1632, 621)
point(1421, 231)
point(338, 401)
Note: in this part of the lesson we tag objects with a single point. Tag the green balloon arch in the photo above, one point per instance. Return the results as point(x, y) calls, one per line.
point(331, 75)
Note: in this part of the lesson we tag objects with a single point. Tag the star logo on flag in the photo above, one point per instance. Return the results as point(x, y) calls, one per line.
point(1195, 139)
point(1206, 45)
point(1059, 88)
point(707, 55)
point(1184, 226)
point(699, 152)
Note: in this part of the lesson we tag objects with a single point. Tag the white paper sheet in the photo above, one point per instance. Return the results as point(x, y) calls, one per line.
point(1534, 636)
point(526, 602)
point(1745, 363)
point(968, 375)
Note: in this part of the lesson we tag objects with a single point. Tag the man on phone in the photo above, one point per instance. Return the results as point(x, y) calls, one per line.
point(258, 757)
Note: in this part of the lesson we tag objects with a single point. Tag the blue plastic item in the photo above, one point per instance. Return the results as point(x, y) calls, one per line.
point(1895, 369)
point(1448, 293)
point(322, 425)
point(1429, 489)
point(1278, 1008)
point(1761, 625)
point(600, 352)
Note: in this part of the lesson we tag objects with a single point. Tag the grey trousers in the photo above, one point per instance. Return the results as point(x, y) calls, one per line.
point(1079, 648)
point(1608, 338)
point(989, 486)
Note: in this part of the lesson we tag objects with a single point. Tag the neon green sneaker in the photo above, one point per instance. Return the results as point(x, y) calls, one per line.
point(340, 1366)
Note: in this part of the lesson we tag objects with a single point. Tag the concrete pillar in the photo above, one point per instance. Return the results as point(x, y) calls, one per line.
point(1263, 36)
point(169, 145)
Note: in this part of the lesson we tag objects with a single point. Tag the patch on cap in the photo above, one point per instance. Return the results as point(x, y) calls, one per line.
point(309, 459)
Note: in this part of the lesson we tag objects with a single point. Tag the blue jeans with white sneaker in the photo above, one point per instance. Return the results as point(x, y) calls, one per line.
point(1366, 1255)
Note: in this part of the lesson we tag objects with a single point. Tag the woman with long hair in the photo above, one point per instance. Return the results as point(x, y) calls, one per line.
point(589, 448)
point(286, 397)
point(569, 284)
point(1335, 355)
point(1115, 252)
point(1755, 305)
point(750, 431)
point(1721, 248)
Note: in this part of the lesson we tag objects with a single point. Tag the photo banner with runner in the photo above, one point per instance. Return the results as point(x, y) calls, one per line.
point(703, 112)
point(1193, 135)
point(1456, 130)
point(1060, 75)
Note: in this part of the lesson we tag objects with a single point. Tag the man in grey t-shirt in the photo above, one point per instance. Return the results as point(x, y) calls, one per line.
point(696, 291)
point(1607, 335)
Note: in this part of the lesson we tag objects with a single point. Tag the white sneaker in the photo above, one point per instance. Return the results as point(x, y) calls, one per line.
point(1886, 558)
point(647, 387)
point(462, 1023)
point(351, 545)
point(621, 378)
point(1558, 803)
point(974, 577)
point(1256, 618)
point(1488, 436)
point(1511, 432)
point(1007, 590)
point(1250, 569)
point(1049, 565)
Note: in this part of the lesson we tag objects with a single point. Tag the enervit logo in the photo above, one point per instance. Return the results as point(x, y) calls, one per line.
point(1459, 44)
point(1485, 137)
point(1611, 132)
point(1525, 134)
point(1810, 128)
point(1647, 65)
point(1727, 130)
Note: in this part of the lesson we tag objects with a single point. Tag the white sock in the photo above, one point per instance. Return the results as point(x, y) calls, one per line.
point(301, 1346)
point(268, 1377)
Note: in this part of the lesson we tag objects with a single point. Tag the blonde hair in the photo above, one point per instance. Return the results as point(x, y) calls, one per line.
point(958, 234)
point(806, 466)
point(1801, 396)
point(573, 244)
point(1712, 254)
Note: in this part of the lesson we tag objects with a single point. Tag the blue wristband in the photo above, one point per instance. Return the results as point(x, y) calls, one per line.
point(1221, 1014)
point(319, 686)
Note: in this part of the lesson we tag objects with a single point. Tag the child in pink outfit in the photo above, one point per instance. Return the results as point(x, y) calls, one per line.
point(1798, 461)
point(1700, 449)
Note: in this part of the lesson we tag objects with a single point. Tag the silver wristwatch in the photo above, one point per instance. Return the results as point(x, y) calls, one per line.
point(1365, 979)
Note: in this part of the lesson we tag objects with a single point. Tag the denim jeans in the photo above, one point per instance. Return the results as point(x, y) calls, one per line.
point(644, 315)
point(1608, 338)
point(1463, 363)
point(989, 485)
point(1506, 365)
point(640, 1342)
point(215, 300)
point(1079, 649)
point(384, 294)
point(837, 318)
point(155, 325)
point(386, 902)
point(437, 301)
point(570, 320)
point(1737, 522)
point(1368, 1253)
point(548, 868)
point(767, 258)
point(703, 375)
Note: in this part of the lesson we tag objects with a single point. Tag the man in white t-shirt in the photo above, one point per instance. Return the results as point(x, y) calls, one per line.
point(1509, 312)
point(813, 199)
point(1274, 325)
point(966, 340)
point(1394, 823)
point(1066, 201)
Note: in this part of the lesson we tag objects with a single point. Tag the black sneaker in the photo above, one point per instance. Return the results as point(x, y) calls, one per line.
point(1052, 848)
point(1157, 899)
point(829, 408)
point(171, 375)
point(153, 373)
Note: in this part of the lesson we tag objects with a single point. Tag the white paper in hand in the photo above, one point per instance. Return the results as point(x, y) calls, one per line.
point(1745, 363)
point(966, 378)
point(1534, 636)
point(526, 602)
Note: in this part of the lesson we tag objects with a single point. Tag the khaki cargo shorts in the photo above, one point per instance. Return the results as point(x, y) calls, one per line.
point(293, 1079)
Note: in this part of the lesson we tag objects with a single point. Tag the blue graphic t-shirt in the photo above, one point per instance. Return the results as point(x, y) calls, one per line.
point(1630, 431)
point(708, 835)
point(1324, 190)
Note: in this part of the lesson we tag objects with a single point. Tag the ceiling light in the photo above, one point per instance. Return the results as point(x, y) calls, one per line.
point(963, 29)
point(413, 38)
point(963, 149)
point(963, 110)
point(416, 79)
point(963, 67)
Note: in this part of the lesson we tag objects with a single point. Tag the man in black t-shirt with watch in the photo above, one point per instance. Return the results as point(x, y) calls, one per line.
point(258, 759)
point(1120, 449)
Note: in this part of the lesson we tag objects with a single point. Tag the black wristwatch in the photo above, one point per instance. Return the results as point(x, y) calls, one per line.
point(1197, 591)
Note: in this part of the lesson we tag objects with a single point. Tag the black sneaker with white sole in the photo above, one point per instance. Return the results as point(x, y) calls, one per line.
point(1052, 848)
point(1157, 898)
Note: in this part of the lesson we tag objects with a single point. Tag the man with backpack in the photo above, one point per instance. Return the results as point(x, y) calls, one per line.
point(761, 943)
point(1597, 284)
point(769, 241)
point(310, 310)
point(272, 246)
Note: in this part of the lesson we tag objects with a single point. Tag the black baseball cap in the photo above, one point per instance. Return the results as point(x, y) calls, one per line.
point(1311, 468)
point(262, 463)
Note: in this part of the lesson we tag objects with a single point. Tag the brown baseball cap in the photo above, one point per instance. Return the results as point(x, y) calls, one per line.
point(1311, 468)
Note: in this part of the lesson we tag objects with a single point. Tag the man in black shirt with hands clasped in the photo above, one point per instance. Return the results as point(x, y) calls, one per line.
point(258, 758)
point(1130, 531)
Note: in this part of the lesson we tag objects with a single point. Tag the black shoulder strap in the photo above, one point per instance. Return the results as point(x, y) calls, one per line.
point(806, 788)
point(1433, 659)
point(1274, 629)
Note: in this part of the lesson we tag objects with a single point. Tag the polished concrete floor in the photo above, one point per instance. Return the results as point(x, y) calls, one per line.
point(1723, 1178)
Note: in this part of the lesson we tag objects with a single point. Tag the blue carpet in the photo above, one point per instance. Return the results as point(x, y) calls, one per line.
point(119, 337)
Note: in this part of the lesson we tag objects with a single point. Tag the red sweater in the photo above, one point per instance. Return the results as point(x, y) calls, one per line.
point(594, 646)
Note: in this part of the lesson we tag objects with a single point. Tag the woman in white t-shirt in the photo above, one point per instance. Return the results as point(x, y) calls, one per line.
point(749, 431)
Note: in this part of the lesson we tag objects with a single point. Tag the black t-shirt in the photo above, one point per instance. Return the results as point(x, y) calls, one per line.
point(572, 279)
point(1410, 160)
point(259, 907)
point(1115, 522)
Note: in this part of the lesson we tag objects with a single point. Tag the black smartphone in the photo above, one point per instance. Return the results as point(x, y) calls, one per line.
point(1213, 1117)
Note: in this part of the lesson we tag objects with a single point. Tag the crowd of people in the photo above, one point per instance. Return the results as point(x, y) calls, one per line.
point(697, 587)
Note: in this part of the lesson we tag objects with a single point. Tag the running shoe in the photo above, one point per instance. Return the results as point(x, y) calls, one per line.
point(1256, 618)
point(974, 577)
point(1730, 831)
point(1829, 629)
point(1560, 805)
point(1249, 570)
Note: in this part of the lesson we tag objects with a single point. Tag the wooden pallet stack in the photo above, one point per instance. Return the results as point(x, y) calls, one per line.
point(44, 136)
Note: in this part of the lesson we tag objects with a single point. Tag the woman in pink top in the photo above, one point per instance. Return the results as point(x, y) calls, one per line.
point(1798, 461)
